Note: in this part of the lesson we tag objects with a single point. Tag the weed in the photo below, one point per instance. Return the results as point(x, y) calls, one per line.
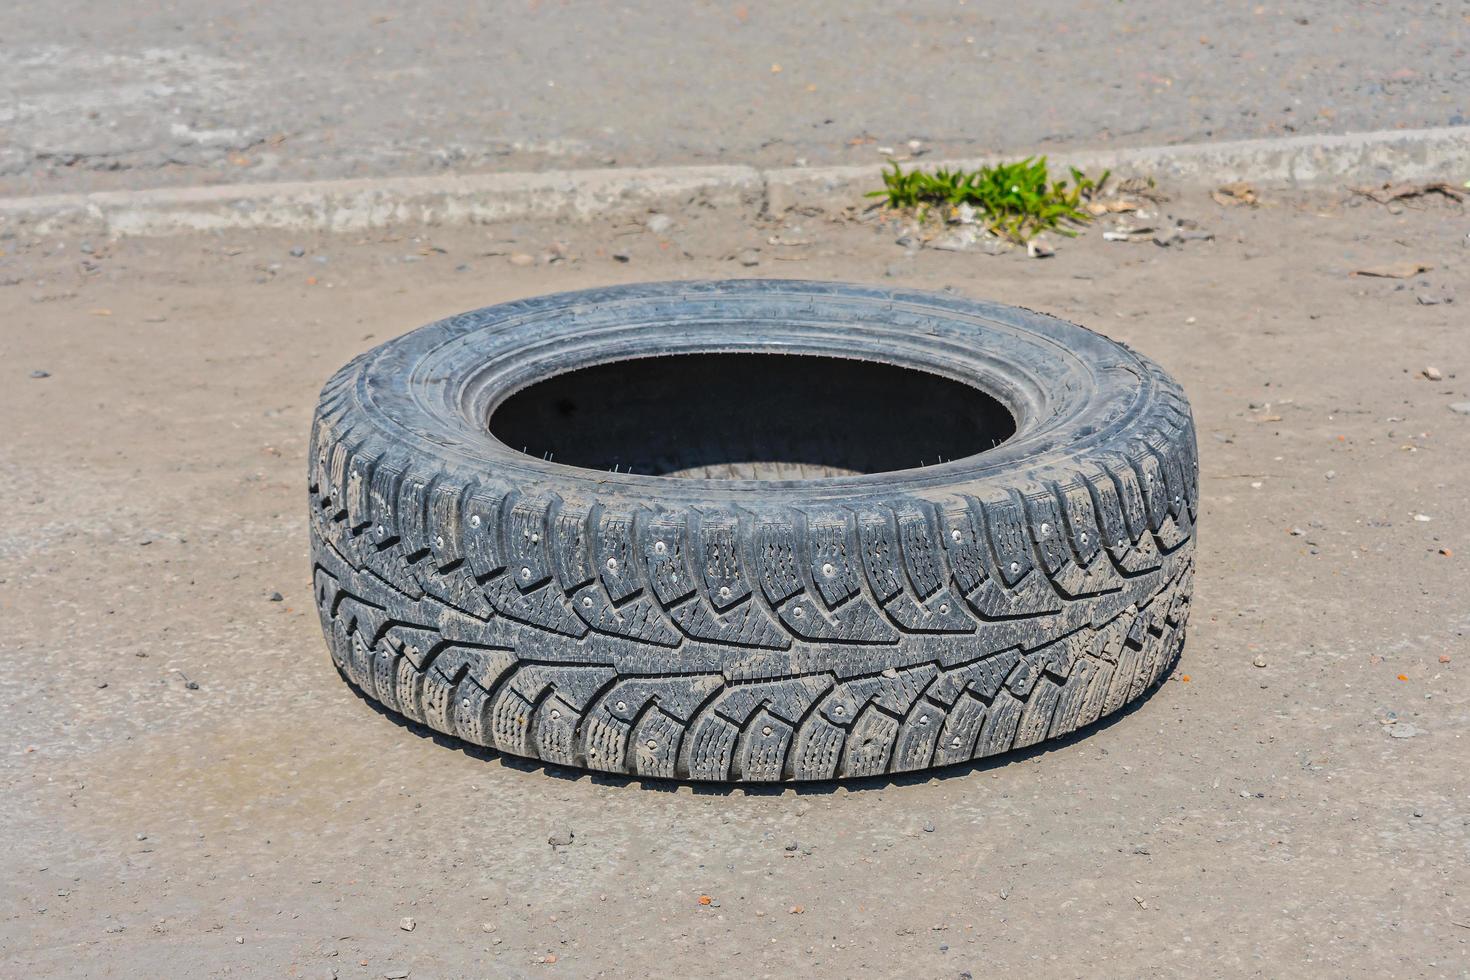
point(1018, 199)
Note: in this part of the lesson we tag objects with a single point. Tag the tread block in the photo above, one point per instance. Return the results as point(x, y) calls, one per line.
point(881, 560)
point(605, 741)
point(1151, 483)
point(1130, 499)
point(965, 541)
point(855, 622)
point(413, 516)
point(385, 676)
point(998, 732)
point(472, 714)
point(615, 558)
point(359, 481)
point(1108, 508)
point(410, 690)
point(1009, 539)
point(1036, 717)
point(481, 536)
point(956, 742)
point(869, 744)
point(556, 729)
point(1047, 531)
point(834, 566)
point(711, 747)
point(922, 557)
point(383, 503)
point(1083, 532)
point(664, 549)
point(775, 559)
point(638, 618)
point(746, 625)
point(818, 749)
point(1032, 596)
point(917, 737)
point(510, 722)
point(656, 743)
point(524, 529)
point(763, 747)
point(720, 566)
point(941, 613)
point(572, 560)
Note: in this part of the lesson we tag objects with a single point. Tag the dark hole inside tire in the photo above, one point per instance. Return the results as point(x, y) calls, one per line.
point(750, 417)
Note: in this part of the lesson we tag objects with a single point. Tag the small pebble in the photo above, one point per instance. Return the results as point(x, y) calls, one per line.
point(1259, 661)
point(1433, 374)
point(297, 251)
point(1423, 518)
point(622, 257)
point(406, 923)
point(928, 826)
point(748, 257)
point(561, 837)
point(521, 259)
point(659, 223)
point(276, 597)
point(39, 374)
point(1459, 408)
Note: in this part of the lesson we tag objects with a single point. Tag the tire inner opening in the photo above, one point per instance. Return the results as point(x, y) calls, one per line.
point(750, 416)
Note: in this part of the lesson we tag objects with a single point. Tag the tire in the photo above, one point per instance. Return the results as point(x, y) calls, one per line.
point(818, 567)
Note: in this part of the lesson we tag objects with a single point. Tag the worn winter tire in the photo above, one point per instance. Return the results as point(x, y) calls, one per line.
point(818, 567)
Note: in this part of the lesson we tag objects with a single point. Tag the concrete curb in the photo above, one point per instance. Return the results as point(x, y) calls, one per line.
point(360, 204)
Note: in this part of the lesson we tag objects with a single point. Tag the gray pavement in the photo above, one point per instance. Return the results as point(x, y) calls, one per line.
point(105, 95)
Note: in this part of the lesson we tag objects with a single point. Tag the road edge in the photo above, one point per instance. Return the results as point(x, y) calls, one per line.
point(360, 204)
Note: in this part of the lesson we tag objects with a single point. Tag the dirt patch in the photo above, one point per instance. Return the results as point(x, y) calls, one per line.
point(1293, 800)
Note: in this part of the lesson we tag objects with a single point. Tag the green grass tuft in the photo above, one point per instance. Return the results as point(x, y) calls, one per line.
point(1018, 200)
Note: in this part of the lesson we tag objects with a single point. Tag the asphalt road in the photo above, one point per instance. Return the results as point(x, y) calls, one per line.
point(105, 95)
